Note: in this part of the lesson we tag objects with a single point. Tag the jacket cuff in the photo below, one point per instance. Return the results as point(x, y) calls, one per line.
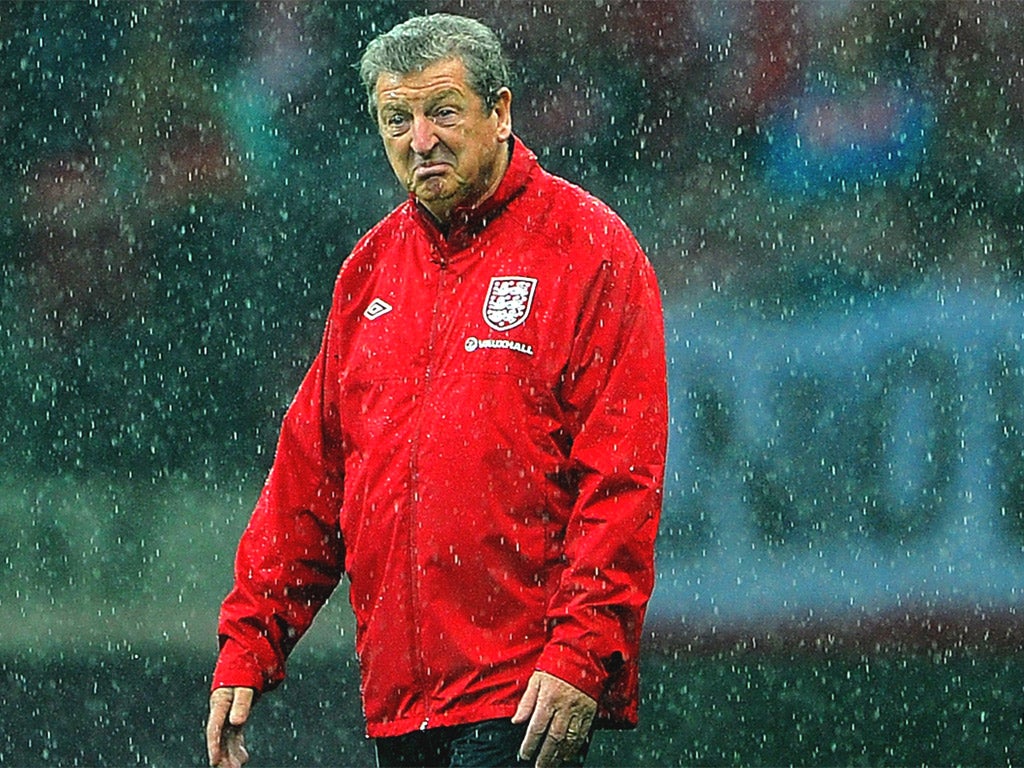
point(578, 669)
point(237, 667)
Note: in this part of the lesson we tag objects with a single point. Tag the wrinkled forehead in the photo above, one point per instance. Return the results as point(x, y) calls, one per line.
point(443, 78)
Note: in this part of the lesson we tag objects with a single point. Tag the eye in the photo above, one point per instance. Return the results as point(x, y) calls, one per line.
point(395, 122)
point(446, 115)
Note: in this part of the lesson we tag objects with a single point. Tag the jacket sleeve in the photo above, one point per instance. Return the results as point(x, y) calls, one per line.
point(615, 393)
point(291, 555)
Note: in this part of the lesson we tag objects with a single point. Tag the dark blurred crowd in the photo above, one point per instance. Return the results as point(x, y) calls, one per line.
point(180, 182)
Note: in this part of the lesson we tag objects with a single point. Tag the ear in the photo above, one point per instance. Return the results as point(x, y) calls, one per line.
point(503, 113)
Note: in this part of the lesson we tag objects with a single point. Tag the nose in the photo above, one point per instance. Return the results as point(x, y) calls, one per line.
point(423, 137)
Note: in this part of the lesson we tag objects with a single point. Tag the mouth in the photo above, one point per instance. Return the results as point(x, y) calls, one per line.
point(430, 170)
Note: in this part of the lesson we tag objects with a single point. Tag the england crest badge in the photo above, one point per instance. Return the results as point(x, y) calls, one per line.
point(508, 301)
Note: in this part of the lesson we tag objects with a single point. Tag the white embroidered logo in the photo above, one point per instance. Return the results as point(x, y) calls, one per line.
point(377, 308)
point(508, 301)
point(472, 344)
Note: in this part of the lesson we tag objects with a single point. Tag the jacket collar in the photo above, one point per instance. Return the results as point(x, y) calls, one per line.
point(471, 219)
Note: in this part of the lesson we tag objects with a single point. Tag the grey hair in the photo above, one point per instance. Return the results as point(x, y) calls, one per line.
point(414, 45)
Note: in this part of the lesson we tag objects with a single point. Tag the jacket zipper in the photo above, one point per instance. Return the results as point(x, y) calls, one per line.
point(418, 672)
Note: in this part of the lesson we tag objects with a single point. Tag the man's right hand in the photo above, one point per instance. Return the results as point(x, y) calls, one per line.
point(225, 743)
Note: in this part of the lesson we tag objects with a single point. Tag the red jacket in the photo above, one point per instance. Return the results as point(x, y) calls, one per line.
point(479, 446)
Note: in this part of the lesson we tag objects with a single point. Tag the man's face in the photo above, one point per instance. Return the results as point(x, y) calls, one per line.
point(442, 141)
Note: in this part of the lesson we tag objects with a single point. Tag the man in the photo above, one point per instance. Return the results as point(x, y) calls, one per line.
point(479, 444)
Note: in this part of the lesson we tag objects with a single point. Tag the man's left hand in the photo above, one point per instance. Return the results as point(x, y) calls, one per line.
point(560, 716)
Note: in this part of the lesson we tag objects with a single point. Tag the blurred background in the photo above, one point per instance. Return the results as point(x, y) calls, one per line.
point(831, 193)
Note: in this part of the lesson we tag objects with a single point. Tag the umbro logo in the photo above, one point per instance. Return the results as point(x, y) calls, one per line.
point(377, 308)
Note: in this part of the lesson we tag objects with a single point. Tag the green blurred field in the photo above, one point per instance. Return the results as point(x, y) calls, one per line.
point(108, 602)
point(97, 707)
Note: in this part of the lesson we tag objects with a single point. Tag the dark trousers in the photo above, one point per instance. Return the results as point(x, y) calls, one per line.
point(490, 744)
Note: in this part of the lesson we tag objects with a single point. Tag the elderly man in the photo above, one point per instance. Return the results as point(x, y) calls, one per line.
point(479, 444)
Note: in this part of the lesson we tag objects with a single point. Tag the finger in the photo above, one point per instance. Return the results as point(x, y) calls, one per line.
point(535, 732)
point(237, 754)
point(527, 702)
point(220, 704)
point(551, 751)
point(561, 741)
point(588, 722)
point(241, 706)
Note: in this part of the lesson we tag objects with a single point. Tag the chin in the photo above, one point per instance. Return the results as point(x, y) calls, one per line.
point(432, 191)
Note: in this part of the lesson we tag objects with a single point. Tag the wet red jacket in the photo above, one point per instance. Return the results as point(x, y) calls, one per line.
point(479, 446)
